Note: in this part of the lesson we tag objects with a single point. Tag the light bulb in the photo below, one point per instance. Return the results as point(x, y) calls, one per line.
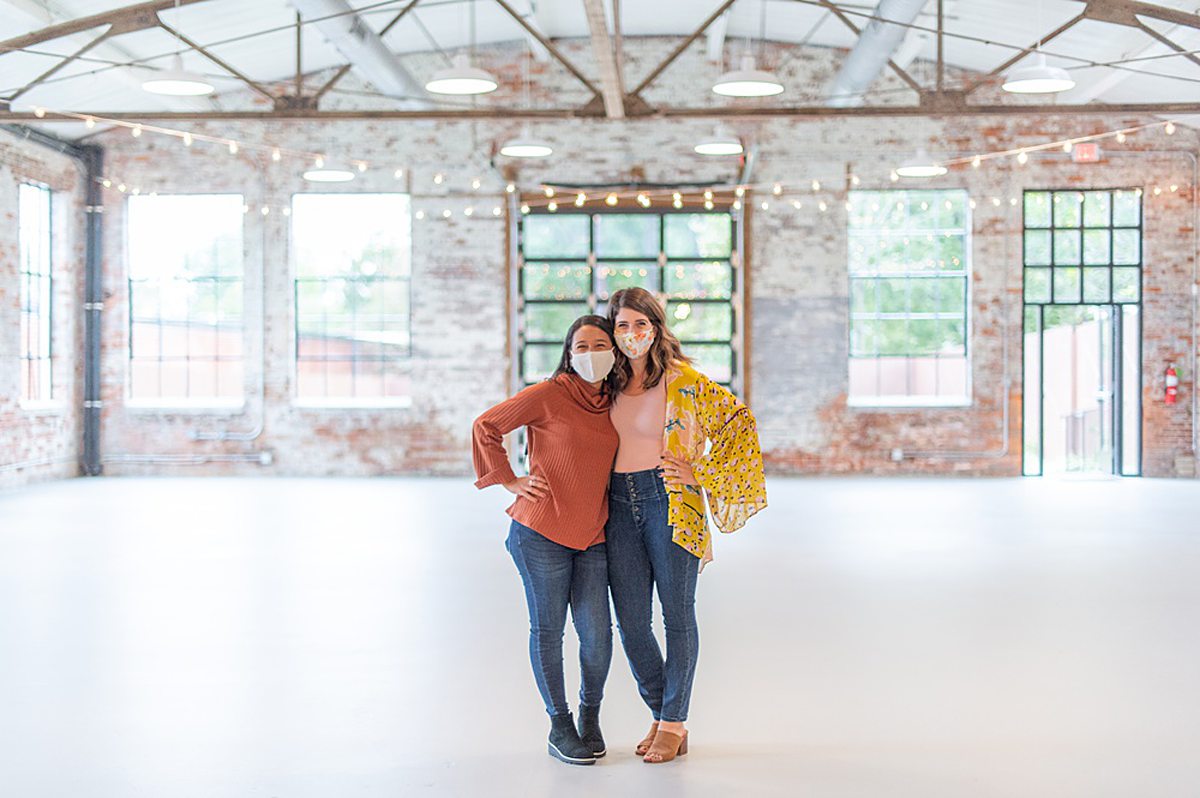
point(580, 199)
point(476, 183)
point(552, 206)
point(233, 148)
point(708, 194)
point(548, 191)
point(39, 112)
point(740, 191)
point(510, 188)
point(610, 200)
point(496, 211)
point(276, 154)
point(1067, 146)
point(420, 215)
point(399, 173)
point(1022, 157)
point(362, 166)
point(1120, 136)
point(1169, 128)
point(187, 139)
point(446, 214)
point(976, 161)
point(708, 205)
point(136, 132)
point(816, 185)
point(823, 206)
point(524, 209)
point(468, 211)
point(89, 123)
point(776, 189)
point(319, 162)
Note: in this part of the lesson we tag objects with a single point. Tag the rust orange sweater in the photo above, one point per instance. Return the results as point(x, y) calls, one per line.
point(572, 445)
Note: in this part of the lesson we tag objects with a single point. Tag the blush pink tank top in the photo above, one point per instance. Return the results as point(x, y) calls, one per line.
point(639, 421)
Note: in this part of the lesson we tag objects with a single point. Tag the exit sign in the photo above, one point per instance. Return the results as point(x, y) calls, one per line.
point(1086, 152)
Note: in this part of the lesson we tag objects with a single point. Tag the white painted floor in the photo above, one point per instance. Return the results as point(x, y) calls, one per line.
point(867, 638)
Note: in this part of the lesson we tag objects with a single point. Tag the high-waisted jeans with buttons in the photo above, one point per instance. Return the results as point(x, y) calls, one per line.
point(642, 556)
point(557, 577)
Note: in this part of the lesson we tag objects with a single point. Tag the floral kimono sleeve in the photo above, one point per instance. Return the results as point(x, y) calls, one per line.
point(731, 473)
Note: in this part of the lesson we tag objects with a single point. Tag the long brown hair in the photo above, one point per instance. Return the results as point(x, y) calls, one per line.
point(663, 352)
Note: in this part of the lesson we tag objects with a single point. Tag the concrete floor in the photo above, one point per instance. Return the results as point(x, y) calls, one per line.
point(865, 638)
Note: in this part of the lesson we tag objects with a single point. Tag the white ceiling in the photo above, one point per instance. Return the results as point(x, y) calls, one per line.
point(94, 85)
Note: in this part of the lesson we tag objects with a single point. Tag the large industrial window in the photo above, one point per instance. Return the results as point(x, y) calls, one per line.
point(909, 261)
point(185, 297)
point(1082, 407)
point(571, 263)
point(352, 260)
point(36, 293)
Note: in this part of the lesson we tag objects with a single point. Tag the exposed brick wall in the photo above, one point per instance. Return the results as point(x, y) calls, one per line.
point(797, 306)
point(44, 440)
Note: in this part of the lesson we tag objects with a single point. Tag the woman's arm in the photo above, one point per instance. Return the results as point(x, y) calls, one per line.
point(525, 409)
point(731, 473)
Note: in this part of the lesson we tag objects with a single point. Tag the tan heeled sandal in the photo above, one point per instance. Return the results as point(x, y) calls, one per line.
point(666, 746)
point(645, 744)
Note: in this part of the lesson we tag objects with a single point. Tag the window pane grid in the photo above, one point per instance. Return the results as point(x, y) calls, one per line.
point(572, 263)
point(36, 287)
point(908, 281)
point(352, 295)
point(1082, 247)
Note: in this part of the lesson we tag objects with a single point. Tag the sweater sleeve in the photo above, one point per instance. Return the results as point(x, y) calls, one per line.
point(731, 473)
point(487, 434)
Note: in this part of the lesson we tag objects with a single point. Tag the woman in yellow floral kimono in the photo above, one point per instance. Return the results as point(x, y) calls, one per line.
point(683, 439)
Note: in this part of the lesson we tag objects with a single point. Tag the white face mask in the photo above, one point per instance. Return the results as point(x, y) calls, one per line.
point(593, 366)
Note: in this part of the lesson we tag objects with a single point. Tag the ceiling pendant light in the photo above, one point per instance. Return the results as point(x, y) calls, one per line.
point(461, 79)
point(1039, 78)
point(329, 173)
point(721, 142)
point(177, 82)
point(920, 166)
point(525, 145)
point(747, 81)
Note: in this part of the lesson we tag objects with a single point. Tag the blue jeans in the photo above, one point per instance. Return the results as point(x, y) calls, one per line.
point(556, 577)
point(641, 556)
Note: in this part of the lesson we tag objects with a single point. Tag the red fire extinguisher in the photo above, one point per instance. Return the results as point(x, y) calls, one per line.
point(1172, 385)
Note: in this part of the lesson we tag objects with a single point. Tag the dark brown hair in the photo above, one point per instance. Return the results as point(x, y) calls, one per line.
point(663, 352)
point(564, 363)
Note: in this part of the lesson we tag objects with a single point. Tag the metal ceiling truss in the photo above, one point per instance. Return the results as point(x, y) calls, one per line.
point(610, 99)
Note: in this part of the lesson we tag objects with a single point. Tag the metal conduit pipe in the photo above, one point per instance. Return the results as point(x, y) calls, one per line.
point(872, 51)
point(45, 461)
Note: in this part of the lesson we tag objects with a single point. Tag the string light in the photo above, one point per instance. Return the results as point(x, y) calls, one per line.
point(976, 161)
point(319, 162)
point(776, 189)
point(1169, 128)
point(894, 176)
point(420, 215)
point(362, 166)
point(476, 183)
point(39, 112)
point(468, 211)
point(854, 181)
point(510, 188)
point(233, 148)
point(1067, 146)
point(496, 211)
point(446, 214)
point(398, 174)
point(580, 199)
point(265, 210)
point(276, 155)
point(1022, 157)
point(610, 200)
point(816, 185)
point(524, 209)
point(1174, 188)
point(438, 179)
point(552, 207)
point(765, 205)
point(1120, 136)
point(548, 191)
point(136, 131)
point(708, 205)
point(708, 195)
point(740, 191)
point(187, 139)
point(823, 206)
point(89, 123)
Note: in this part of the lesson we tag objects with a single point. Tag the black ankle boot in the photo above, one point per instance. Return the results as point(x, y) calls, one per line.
point(565, 744)
point(589, 729)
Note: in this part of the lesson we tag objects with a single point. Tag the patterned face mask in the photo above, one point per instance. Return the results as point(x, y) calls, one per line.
point(635, 344)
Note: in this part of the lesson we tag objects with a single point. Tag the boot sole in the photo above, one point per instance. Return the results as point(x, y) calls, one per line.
point(560, 756)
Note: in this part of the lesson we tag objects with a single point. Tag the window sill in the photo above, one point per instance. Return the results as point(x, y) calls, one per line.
point(907, 402)
point(231, 407)
point(394, 403)
point(50, 407)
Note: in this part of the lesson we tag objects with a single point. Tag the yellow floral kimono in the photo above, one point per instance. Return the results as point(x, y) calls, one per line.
point(730, 471)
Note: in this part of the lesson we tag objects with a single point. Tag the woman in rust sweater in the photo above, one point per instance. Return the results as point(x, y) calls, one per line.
point(557, 534)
